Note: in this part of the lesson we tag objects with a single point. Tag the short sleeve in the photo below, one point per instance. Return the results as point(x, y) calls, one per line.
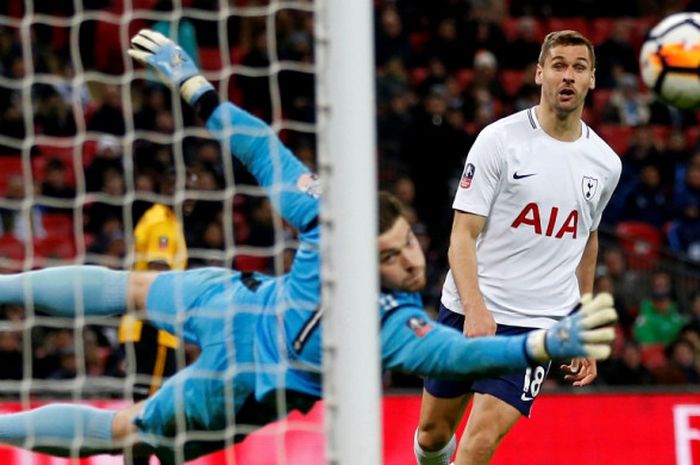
point(481, 176)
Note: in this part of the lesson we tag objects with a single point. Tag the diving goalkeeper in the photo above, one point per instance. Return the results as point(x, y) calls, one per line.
point(259, 335)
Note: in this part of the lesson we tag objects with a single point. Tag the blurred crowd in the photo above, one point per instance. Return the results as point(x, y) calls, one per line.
point(105, 148)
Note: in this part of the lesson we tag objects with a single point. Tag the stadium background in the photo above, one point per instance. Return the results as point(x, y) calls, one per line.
point(84, 145)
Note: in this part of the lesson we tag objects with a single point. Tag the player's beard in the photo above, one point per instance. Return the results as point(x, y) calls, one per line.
point(415, 282)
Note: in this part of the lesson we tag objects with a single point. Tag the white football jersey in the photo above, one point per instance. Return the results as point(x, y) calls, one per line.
point(542, 197)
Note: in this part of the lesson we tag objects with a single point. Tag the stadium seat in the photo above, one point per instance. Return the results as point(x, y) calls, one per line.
point(57, 224)
point(109, 56)
point(10, 165)
point(11, 248)
point(600, 29)
point(653, 356)
point(512, 81)
point(237, 54)
point(641, 242)
point(54, 247)
point(577, 23)
point(640, 28)
point(661, 131)
point(692, 136)
point(241, 227)
point(418, 75)
point(600, 98)
point(509, 25)
point(210, 58)
point(250, 263)
point(144, 4)
point(62, 151)
point(464, 77)
point(89, 152)
point(617, 136)
point(418, 41)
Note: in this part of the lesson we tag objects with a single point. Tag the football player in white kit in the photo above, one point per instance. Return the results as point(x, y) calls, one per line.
point(523, 248)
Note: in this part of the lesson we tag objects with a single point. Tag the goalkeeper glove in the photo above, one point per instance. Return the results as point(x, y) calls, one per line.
point(587, 332)
point(172, 64)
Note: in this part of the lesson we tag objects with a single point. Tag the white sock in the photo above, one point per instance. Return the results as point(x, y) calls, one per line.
point(438, 457)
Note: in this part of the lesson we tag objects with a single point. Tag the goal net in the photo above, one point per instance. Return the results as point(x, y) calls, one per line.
point(89, 142)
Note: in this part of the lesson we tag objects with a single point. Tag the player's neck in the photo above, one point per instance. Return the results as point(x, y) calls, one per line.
point(564, 127)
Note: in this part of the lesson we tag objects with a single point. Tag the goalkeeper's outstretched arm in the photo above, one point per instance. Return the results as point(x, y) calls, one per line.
point(249, 139)
point(412, 344)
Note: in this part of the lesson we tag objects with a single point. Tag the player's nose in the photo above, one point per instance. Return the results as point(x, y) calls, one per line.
point(409, 258)
point(569, 74)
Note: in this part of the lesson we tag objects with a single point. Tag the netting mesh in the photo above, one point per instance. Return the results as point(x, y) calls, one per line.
point(89, 142)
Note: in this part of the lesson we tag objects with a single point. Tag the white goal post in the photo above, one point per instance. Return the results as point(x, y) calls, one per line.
point(346, 151)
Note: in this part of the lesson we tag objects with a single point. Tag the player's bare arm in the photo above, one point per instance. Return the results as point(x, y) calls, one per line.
point(581, 371)
point(462, 256)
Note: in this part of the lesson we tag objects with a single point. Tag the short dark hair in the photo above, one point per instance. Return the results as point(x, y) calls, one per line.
point(565, 37)
point(390, 210)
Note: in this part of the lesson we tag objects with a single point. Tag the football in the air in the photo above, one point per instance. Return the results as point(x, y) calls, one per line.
point(670, 60)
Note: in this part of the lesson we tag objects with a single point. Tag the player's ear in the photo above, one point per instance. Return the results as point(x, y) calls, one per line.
point(592, 85)
point(538, 75)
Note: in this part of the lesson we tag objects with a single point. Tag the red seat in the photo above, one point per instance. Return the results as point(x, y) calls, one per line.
point(64, 153)
point(640, 27)
point(617, 136)
point(12, 250)
point(89, 151)
point(418, 41)
point(10, 165)
point(653, 356)
point(237, 54)
point(418, 75)
point(661, 132)
point(511, 80)
point(600, 29)
point(464, 77)
point(692, 135)
point(54, 247)
point(109, 53)
point(57, 224)
point(577, 23)
point(250, 263)
point(641, 242)
point(601, 97)
point(510, 28)
point(210, 58)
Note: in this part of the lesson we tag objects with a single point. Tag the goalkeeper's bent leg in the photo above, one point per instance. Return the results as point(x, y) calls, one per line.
point(67, 290)
point(61, 430)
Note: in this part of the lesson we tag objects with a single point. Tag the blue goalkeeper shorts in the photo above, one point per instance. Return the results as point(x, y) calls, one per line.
point(213, 308)
point(518, 389)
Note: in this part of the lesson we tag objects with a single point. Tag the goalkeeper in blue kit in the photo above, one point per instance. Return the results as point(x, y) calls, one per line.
point(259, 335)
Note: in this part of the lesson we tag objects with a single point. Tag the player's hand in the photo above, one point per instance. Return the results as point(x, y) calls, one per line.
point(587, 332)
point(478, 322)
point(580, 371)
point(172, 64)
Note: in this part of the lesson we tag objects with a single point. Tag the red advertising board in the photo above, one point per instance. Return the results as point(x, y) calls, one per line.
point(610, 429)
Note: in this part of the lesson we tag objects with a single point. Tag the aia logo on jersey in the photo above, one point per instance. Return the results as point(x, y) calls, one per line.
point(589, 186)
point(419, 326)
point(163, 242)
point(554, 226)
point(467, 176)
